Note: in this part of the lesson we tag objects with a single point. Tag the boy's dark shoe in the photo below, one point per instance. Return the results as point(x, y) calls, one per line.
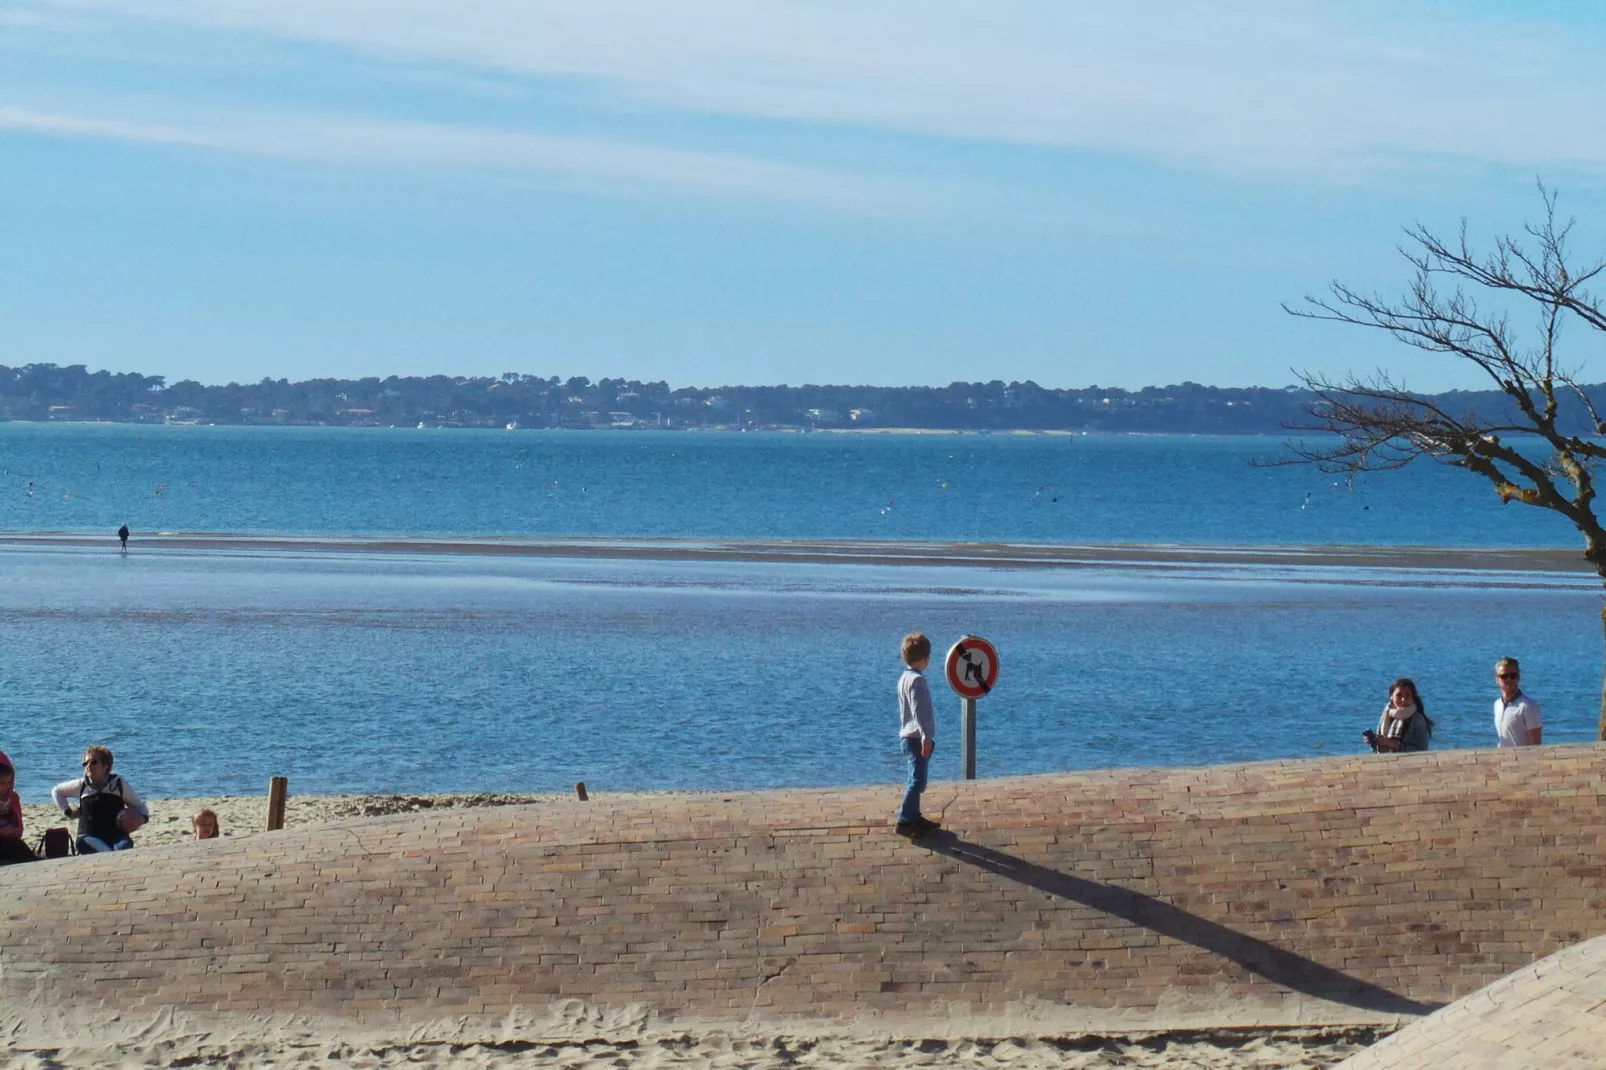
point(918, 827)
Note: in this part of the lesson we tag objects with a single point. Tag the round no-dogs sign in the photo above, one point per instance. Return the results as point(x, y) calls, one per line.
point(972, 667)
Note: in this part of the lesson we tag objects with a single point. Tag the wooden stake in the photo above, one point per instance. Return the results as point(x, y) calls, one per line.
point(278, 792)
point(580, 790)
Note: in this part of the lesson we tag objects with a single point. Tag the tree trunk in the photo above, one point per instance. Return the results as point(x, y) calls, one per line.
point(1600, 728)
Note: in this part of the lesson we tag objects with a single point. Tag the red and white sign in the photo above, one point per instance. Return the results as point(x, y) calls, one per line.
point(972, 667)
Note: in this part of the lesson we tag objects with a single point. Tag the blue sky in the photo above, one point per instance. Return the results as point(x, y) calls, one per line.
point(733, 191)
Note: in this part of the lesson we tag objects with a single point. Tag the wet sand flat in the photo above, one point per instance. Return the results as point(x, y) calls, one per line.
point(996, 554)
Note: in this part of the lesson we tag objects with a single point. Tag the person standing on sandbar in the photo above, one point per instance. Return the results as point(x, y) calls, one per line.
point(122, 535)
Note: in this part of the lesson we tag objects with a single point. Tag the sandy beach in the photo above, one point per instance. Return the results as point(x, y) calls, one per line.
point(570, 1037)
point(245, 815)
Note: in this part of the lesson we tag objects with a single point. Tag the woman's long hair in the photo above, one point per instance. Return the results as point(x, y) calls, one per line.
point(1406, 681)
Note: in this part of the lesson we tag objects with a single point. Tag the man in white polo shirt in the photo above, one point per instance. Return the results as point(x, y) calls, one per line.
point(1516, 716)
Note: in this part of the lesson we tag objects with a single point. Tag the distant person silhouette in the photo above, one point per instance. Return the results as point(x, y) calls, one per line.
point(122, 535)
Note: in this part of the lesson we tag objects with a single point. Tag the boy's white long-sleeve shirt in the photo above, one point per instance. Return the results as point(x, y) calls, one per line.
point(915, 714)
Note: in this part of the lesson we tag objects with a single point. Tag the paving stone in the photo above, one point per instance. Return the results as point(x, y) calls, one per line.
point(1346, 889)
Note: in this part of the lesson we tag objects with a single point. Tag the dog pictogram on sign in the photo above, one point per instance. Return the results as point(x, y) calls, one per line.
point(972, 667)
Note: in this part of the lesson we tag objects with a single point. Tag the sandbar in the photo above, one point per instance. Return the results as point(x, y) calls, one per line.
point(866, 552)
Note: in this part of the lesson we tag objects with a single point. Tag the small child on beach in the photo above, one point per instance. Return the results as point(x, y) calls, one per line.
point(205, 825)
point(916, 732)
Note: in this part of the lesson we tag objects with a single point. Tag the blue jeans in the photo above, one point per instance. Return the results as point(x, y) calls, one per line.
point(910, 810)
point(94, 845)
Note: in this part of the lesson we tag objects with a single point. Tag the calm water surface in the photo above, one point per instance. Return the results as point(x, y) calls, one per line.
point(208, 671)
point(1053, 489)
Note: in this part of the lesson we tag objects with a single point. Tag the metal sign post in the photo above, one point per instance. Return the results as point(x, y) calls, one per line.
point(972, 670)
point(967, 740)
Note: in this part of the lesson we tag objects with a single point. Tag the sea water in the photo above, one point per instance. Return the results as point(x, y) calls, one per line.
point(1188, 490)
point(209, 670)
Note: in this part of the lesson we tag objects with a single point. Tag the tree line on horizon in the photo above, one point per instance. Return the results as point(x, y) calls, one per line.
point(45, 392)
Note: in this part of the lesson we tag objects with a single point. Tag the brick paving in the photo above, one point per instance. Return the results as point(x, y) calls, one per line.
point(1333, 890)
point(1548, 1016)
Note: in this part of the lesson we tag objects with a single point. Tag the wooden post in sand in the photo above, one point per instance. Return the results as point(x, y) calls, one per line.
point(580, 790)
point(278, 792)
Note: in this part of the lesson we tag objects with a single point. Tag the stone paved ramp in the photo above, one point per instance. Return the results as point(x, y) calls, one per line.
point(1549, 1016)
point(1343, 890)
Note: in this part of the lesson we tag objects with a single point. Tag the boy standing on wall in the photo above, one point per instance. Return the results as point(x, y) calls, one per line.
point(916, 732)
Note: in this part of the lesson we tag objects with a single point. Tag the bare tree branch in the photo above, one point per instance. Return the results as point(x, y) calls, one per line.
point(1375, 424)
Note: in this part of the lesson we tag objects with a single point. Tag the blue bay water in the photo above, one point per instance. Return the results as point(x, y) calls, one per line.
point(1048, 489)
point(209, 670)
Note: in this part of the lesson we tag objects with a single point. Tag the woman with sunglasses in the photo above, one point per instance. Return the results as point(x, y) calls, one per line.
point(108, 808)
point(1404, 724)
point(1516, 715)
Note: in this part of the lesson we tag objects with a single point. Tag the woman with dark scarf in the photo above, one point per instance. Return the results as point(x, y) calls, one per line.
point(1404, 724)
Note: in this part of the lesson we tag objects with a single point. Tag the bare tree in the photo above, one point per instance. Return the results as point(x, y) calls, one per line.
point(1543, 449)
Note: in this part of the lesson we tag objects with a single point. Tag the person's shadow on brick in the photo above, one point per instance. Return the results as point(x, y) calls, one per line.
point(1257, 956)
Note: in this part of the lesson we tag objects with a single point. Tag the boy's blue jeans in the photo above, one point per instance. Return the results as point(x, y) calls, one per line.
point(910, 810)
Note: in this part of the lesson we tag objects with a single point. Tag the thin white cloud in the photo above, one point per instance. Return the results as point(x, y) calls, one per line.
point(1257, 85)
point(440, 146)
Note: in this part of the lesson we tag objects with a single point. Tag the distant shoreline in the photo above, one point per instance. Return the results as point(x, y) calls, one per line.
point(778, 429)
point(989, 554)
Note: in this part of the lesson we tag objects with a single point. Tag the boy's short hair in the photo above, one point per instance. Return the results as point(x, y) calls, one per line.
point(916, 647)
point(100, 753)
point(6, 770)
point(1508, 663)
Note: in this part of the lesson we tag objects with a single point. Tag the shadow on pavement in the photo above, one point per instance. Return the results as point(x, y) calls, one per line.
point(1269, 961)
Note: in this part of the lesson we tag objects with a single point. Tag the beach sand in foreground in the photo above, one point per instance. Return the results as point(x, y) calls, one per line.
point(164, 1042)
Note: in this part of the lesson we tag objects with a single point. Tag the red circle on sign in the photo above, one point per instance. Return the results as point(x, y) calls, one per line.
point(971, 667)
